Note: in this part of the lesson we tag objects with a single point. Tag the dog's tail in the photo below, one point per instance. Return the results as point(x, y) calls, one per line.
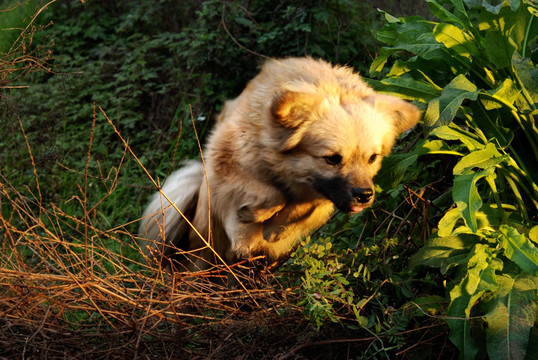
point(163, 229)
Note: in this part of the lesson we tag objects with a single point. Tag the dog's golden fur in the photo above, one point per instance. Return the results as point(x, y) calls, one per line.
point(303, 137)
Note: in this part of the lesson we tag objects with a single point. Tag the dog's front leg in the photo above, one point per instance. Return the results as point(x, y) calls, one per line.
point(258, 209)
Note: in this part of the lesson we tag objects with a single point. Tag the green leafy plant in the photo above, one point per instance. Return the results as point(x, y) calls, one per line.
point(475, 69)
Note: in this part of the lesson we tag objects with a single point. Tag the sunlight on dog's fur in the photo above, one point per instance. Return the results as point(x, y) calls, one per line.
point(302, 137)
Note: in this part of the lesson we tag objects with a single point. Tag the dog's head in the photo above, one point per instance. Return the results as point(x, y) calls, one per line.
point(334, 143)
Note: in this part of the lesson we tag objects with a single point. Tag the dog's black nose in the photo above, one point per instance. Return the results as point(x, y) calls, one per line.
point(363, 195)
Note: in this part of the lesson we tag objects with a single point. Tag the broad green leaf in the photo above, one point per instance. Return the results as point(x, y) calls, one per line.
point(524, 26)
point(533, 234)
point(413, 35)
point(395, 165)
point(441, 111)
point(457, 16)
point(406, 88)
point(514, 4)
point(473, 3)
point(456, 40)
point(486, 219)
point(511, 314)
point(482, 159)
point(467, 198)
point(519, 249)
point(379, 62)
point(526, 74)
point(394, 168)
point(388, 17)
point(464, 295)
point(499, 45)
point(438, 147)
point(454, 132)
point(506, 94)
point(400, 68)
point(448, 222)
point(444, 252)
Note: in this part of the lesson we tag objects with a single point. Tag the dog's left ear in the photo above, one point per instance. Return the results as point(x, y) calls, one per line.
point(403, 114)
point(291, 111)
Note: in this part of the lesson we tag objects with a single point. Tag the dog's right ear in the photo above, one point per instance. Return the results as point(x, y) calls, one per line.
point(404, 115)
point(290, 112)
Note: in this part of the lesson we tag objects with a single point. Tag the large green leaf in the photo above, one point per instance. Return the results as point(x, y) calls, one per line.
point(457, 16)
point(457, 40)
point(480, 269)
point(482, 159)
point(414, 35)
point(519, 249)
point(487, 218)
point(466, 196)
point(526, 74)
point(379, 62)
point(395, 165)
point(406, 88)
point(514, 4)
point(504, 95)
point(442, 110)
point(454, 132)
point(444, 252)
point(448, 222)
point(499, 46)
point(533, 234)
point(511, 314)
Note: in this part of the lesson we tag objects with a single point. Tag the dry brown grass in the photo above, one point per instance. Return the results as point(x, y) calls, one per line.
point(65, 293)
point(71, 287)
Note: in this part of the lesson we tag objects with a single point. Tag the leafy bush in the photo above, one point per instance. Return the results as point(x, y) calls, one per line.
point(475, 69)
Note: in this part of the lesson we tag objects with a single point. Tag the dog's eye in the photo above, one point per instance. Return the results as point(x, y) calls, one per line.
point(372, 159)
point(334, 159)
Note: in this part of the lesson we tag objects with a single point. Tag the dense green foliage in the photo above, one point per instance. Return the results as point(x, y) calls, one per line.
point(476, 70)
point(443, 253)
